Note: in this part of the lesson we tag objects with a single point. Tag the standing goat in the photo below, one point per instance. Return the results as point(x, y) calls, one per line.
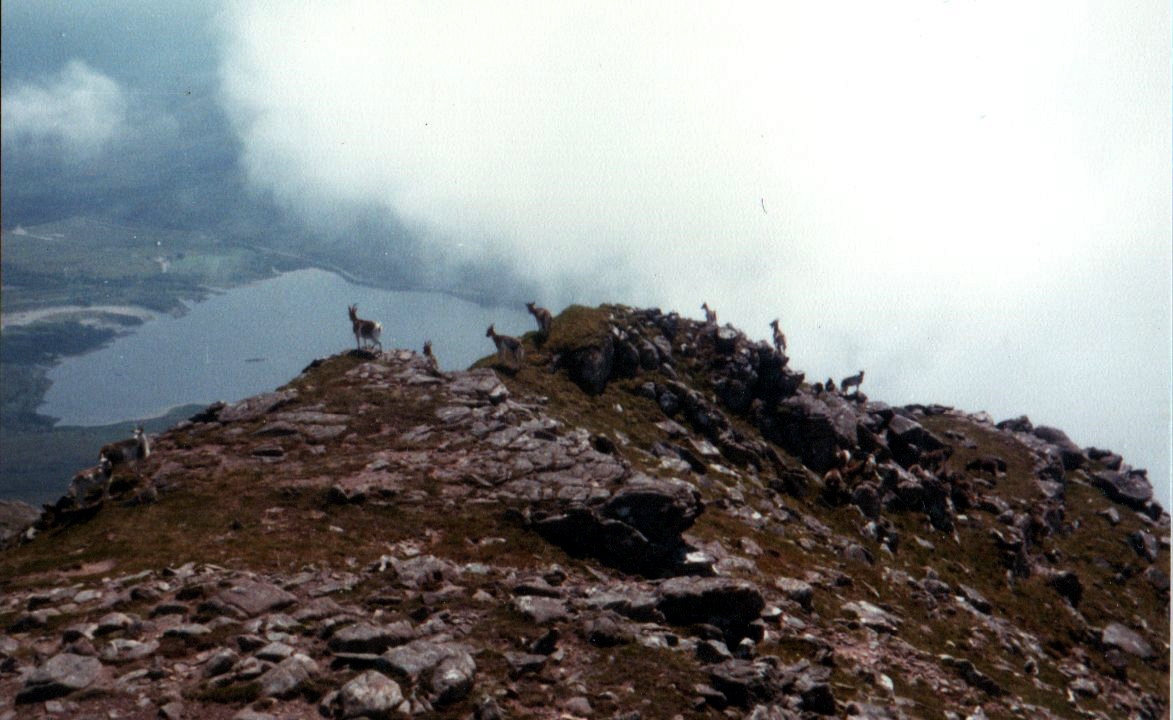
point(125, 452)
point(779, 337)
point(544, 318)
point(430, 359)
point(853, 381)
point(710, 314)
point(367, 330)
point(509, 349)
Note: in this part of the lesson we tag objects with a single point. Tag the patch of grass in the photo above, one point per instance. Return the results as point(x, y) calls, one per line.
point(577, 327)
point(234, 694)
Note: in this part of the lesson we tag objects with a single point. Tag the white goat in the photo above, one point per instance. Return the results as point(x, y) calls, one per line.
point(124, 452)
point(367, 330)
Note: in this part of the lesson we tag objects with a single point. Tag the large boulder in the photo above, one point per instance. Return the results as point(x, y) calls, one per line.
point(591, 366)
point(371, 695)
point(60, 675)
point(1072, 455)
point(1129, 488)
point(727, 603)
point(908, 440)
point(812, 428)
point(15, 518)
point(637, 529)
point(1115, 635)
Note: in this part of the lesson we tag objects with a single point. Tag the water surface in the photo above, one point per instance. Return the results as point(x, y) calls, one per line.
point(254, 338)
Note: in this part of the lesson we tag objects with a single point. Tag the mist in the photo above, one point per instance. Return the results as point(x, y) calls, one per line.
point(970, 201)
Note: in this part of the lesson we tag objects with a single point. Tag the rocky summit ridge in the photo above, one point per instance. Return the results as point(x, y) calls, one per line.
point(646, 517)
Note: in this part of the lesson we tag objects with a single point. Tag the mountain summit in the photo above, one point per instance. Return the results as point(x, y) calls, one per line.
point(628, 515)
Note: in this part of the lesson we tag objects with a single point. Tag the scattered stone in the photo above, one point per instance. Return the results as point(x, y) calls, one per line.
point(371, 695)
point(724, 602)
point(250, 598)
point(540, 610)
point(1131, 488)
point(872, 616)
point(59, 676)
point(1118, 636)
point(975, 599)
point(288, 677)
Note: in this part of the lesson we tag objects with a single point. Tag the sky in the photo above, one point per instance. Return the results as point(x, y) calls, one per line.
point(969, 200)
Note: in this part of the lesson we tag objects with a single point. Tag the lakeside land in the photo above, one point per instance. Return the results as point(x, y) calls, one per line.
point(73, 286)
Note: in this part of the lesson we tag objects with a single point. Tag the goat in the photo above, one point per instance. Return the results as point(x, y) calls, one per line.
point(779, 337)
point(710, 314)
point(368, 330)
point(853, 381)
point(829, 386)
point(124, 452)
point(509, 349)
point(544, 318)
point(90, 486)
point(430, 359)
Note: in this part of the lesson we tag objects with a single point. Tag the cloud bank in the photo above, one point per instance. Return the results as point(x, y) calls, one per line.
point(969, 200)
point(77, 112)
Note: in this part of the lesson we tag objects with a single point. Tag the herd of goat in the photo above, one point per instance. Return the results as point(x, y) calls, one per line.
point(92, 484)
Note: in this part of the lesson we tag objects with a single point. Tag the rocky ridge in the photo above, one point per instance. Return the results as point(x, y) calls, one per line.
point(650, 518)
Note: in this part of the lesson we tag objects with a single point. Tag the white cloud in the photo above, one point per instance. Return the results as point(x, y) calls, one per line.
point(968, 199)
point(79, 110)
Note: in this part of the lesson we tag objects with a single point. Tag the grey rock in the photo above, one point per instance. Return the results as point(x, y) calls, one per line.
point(660, 510)
point(113, 622)
point(975, 599)
point(1072, 455)
point(288, 677)
point(251, 598)
point(452, 679)
point(371, 694)
point(972, 675)
point(523, 663)
point(368, 638)
point(1131, 488)
point(608, 630)
point(60, 675)
point(796, 590)
point(540, 610)
point(190, 630)
point(724, 602)
point(743, 681)
point(1085, 687)
point(220, 662)
point(872, 616)
point(1115, 635)
point(124, 649)
point(15, 518)
point(275, 652)
point(1144, 544)
point(416, 658)
point(255, 407)
point(712, 651)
